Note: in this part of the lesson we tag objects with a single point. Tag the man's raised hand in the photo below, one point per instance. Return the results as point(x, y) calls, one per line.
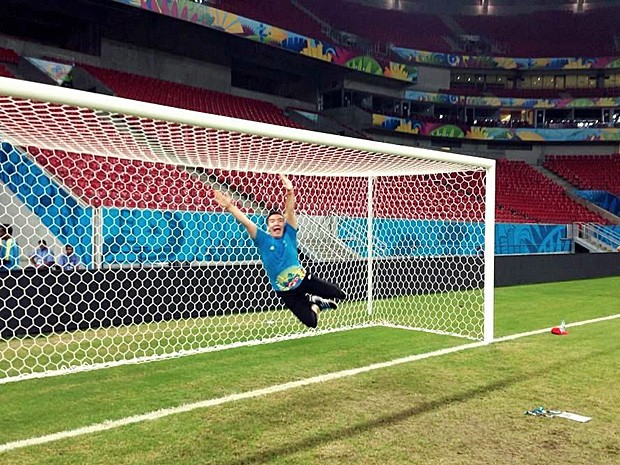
point(224, 200)
point(286, 182)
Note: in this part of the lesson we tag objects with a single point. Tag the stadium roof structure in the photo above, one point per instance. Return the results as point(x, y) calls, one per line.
point(498, 7)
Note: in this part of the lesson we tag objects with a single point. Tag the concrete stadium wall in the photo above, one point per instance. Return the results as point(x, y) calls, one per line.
point(432, 79)
point(148, 62)
point(165, 66)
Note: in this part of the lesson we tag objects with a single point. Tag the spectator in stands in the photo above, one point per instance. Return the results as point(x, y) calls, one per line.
point(69, 261)
point(9, 250)
point(303, 293)
point(42, 256)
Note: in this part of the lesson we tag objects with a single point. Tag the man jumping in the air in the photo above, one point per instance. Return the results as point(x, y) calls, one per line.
point(303, 293)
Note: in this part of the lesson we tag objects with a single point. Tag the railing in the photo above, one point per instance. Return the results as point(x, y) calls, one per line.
point(318, 238)
point(601, 236)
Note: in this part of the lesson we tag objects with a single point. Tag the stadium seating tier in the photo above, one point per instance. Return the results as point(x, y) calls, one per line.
point(591, 172)
point(122, 183)
point(168, 93)
point(528, 193)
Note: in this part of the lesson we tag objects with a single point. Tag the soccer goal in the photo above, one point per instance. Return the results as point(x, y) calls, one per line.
point(140, 263)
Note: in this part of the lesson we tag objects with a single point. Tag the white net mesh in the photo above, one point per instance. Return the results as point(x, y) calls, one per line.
point(164, 271)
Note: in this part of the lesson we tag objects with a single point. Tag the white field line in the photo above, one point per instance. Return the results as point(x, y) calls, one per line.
point(157, 414)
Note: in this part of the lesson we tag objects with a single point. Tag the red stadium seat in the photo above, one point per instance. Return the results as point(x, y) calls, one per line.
point(182, 96)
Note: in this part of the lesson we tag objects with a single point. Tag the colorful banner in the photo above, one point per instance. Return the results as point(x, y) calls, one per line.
point(433, 97)
point(409, 237)
point(168, 239)
point(531, 239)
point(246, 28)
point(602, 102)
point(165, 236)
point(503, 102)
point(57, 71)
point(448, 60)
point(438, 129)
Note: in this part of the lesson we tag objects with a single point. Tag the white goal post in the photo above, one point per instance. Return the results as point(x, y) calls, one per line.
point(159, 270)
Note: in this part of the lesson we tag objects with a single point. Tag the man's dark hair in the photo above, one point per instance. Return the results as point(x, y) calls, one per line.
point(273, 213)
point(8, 229)
point(42, 242)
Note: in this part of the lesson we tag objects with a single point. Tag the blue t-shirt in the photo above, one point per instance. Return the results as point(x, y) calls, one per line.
point(280, 258)
point(69, 263)
point(9, 251)
point(43, 256)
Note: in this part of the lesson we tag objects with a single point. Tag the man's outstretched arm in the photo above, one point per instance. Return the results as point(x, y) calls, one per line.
point(227, 204)
point(289, 208)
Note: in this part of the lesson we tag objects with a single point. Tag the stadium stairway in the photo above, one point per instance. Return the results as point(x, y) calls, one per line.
point(27, 228)
point(596, 238)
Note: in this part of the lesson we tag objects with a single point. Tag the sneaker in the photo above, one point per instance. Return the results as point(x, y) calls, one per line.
point(323, 304)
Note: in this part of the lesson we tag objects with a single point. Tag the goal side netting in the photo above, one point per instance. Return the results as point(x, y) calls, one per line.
point(115, 251)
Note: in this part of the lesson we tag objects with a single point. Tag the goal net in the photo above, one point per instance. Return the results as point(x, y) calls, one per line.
point(140, 263)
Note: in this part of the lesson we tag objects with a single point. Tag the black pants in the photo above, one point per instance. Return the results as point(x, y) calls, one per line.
point(299, 303)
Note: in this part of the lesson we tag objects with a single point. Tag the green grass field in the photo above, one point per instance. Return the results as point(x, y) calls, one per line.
point(461, 408)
